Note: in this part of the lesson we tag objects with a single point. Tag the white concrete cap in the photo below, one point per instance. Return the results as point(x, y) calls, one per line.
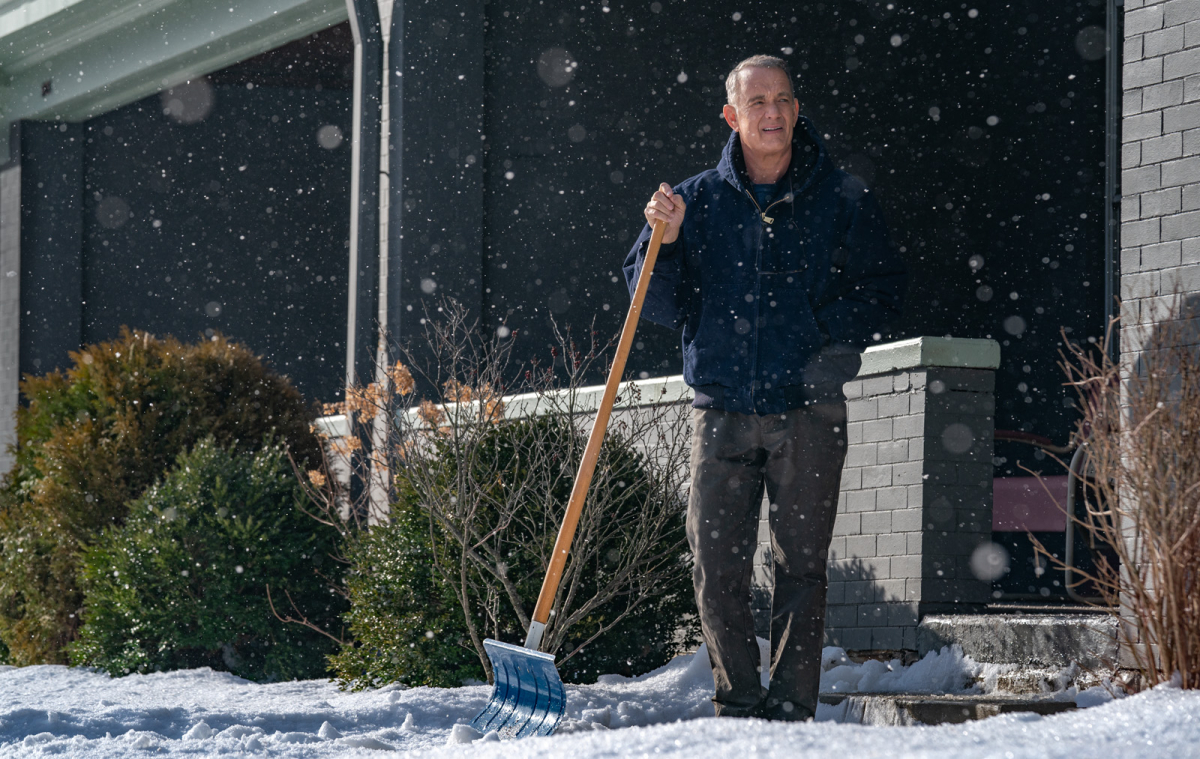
point(336, 426)
point(647, 392)
point(961, 352)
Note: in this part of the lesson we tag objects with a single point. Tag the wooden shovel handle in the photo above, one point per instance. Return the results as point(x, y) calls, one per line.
point(587, 467)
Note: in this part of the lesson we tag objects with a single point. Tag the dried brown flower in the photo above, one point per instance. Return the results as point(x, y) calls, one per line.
point(401, 379)
point(346, 445)
point(458, 392)
point(430, 413)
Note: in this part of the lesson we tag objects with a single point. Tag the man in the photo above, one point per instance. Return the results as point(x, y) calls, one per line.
point(778, 267)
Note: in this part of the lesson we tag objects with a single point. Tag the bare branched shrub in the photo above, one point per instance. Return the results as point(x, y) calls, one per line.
point(477, 475)
point(1140, 427)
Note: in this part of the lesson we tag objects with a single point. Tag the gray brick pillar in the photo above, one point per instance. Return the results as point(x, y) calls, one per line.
point(916, 497)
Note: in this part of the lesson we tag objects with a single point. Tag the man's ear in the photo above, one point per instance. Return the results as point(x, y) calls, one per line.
point(730, 114)
point(796, 103)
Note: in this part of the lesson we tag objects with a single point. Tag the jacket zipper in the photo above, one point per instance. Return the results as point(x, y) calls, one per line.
point(768, 219)
point(754, 381)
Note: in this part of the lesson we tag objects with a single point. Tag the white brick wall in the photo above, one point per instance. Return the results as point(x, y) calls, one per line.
point(1160, 156)
point(10, 307)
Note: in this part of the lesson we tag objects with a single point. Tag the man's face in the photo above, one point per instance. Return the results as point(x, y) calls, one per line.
point(766, 112)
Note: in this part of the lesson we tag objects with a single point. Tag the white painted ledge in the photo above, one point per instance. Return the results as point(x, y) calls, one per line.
point(636, 393)
point(957, 352)
point(647, 392)
point(336, 426)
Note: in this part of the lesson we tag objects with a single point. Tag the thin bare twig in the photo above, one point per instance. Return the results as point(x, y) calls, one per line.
point(1141, 426)
point(303, 620)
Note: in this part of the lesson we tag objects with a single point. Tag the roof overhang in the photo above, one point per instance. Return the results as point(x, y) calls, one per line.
point(97, 55)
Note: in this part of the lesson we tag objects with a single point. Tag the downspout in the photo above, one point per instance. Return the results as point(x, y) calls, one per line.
point(361, 334)
point(1114, 48)
point(395, 242)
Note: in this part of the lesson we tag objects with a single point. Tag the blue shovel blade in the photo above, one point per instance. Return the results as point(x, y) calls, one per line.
point(528, 698)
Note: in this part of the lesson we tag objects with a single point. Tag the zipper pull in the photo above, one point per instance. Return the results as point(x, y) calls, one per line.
point(767, 219)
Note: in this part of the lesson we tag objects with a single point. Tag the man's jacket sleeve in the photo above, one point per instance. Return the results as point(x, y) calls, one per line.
point(664, 298)
point(868, 289)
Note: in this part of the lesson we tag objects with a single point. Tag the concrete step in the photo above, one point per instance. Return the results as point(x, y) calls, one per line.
point(1027, 640)
point(902, 709)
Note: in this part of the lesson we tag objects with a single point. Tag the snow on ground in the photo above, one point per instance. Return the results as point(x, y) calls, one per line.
point(75, 712)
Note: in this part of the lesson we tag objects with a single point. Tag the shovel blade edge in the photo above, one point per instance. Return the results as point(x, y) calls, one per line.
point(528, 698)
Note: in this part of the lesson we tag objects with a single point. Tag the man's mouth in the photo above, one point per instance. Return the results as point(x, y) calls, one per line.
point(773, 129)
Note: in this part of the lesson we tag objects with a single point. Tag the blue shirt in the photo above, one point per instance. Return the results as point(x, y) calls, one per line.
point(763, 194)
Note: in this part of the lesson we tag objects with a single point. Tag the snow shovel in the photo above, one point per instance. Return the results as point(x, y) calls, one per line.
point(529, 698)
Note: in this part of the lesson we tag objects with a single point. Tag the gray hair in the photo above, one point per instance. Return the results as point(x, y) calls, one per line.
point(755, 62)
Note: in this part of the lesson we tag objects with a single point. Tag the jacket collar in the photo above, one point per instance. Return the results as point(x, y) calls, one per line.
point(732, 166)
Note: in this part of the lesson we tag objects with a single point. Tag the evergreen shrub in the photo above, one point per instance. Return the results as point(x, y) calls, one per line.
point(407, 615)
point(184, 582)
point(405, 623)
point(92, 438)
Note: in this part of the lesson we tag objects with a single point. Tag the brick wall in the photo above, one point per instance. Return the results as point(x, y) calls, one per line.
point(10, 307)
point(1160, 169)
point(1160, 157)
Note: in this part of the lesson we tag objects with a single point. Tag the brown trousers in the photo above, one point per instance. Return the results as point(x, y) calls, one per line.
point(798, 457)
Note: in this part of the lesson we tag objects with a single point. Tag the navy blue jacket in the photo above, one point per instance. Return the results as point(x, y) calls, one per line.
point(775, 303)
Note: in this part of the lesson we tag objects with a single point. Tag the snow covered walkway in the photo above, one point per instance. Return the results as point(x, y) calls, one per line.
point(73, 712)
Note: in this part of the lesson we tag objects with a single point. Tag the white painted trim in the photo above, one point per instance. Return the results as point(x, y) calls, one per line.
point(142, 50)
point(337, 426)
point(636, 393)
point(22, 15)
point(34, 33)
point(10, 310)
point(647, 392)
point(8, 5)
point(961, 352)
